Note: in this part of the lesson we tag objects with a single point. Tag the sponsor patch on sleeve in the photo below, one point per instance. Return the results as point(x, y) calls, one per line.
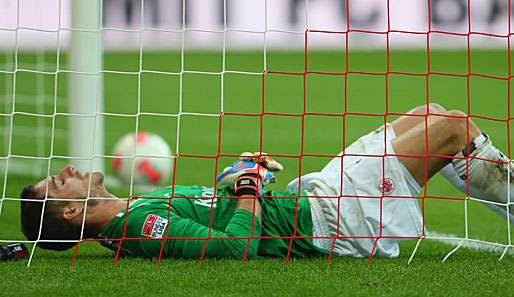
point(154, 226)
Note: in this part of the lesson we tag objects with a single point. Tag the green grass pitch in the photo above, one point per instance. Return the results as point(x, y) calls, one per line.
point(467, 272)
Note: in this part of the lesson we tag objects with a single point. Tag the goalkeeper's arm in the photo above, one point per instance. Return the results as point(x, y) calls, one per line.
point(241, 236)
point(234, 241)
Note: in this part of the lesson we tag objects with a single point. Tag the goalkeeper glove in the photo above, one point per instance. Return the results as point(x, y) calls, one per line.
point(263, 159)
point(248, 184)
point(261, 172)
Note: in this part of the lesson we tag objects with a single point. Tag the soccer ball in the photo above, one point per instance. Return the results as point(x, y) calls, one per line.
point(154, 167)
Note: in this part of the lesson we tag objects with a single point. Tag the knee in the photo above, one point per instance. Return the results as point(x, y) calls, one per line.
point(457, 114)
point(436, 108)
point(465, 124)
point(433, 108)
point(459, 128)
point(456, 122)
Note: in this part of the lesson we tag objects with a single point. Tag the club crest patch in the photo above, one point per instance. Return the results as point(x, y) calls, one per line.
point(154, 226)
point(386, 186)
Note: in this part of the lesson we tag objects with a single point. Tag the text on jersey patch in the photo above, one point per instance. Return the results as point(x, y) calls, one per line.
point(154, 226)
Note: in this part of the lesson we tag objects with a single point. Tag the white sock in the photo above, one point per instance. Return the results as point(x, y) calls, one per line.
point(486, 170)
point(488, 181)
point(449, 171)
point(451, 175)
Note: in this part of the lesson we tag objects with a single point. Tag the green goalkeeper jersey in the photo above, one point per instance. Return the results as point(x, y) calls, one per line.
point(196, 215)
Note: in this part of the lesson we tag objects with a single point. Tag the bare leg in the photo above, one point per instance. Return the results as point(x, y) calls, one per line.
point(415, 116)
point(446, 136)
point(440, 135)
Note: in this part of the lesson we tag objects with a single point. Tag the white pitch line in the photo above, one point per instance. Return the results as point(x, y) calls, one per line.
point(474, 244)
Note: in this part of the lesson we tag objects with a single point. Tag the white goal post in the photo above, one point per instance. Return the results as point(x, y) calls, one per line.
point(86, 81)
point(85, 134)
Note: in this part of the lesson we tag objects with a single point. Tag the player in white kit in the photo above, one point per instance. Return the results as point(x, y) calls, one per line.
point(381, 170)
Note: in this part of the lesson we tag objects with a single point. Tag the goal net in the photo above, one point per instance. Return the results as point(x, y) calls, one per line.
point(304, 78)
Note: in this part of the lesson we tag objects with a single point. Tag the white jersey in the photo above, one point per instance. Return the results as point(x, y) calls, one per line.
point(374, 203)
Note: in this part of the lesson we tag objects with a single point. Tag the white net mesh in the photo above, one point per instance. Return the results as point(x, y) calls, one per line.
point(204, 65)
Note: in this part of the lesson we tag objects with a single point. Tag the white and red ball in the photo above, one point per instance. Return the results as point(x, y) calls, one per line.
point(152, 166)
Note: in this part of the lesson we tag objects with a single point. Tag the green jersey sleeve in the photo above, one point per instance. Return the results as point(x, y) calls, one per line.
point(189, 238)
point(148, 220)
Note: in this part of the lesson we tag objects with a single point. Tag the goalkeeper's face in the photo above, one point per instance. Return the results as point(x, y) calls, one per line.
point(70, 183)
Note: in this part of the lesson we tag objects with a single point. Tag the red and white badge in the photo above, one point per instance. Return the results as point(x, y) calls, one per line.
point(386, 186)
point(154, 226)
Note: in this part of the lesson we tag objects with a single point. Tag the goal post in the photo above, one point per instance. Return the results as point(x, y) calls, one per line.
point(86, 133)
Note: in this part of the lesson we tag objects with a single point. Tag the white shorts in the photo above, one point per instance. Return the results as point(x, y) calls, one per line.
point(371, 204)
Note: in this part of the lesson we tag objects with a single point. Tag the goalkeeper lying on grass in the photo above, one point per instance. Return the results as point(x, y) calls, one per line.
point(452, 139)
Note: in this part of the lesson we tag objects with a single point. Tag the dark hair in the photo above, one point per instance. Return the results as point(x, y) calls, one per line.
point(54, 226)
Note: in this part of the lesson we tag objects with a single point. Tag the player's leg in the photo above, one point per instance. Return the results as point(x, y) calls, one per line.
point(441, 135)
point(484, 172)
point(363, 176)
point(430, 115)
point(416, 116)
point(452, 176)
point(484, 175)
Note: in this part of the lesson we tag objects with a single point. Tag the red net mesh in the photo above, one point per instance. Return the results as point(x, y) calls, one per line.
point(343, 116)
